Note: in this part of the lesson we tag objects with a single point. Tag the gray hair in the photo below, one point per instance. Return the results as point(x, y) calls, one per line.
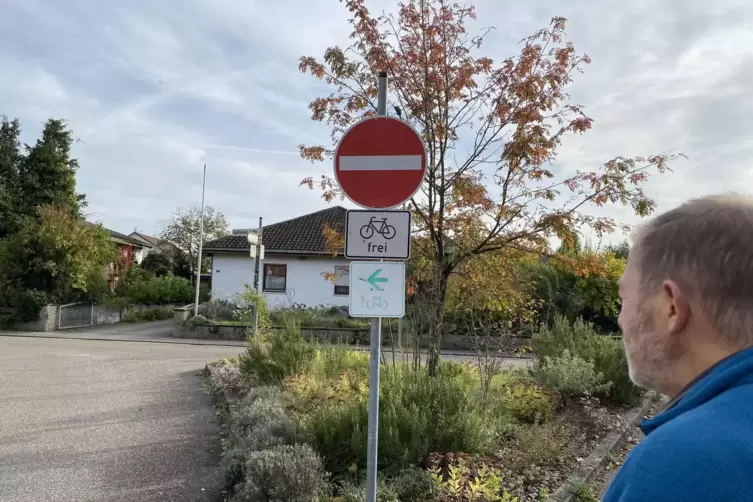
point(706, 246)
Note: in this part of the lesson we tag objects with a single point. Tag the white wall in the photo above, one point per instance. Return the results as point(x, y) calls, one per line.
point(305, 281)
point(139, 255)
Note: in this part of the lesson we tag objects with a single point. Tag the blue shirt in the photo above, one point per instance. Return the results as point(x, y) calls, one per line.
point(700, 449)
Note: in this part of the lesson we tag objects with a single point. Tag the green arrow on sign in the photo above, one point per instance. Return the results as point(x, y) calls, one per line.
point(374, 279)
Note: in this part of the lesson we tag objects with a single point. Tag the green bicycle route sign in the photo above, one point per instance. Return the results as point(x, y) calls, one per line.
point(377, 289)
point(374, 279)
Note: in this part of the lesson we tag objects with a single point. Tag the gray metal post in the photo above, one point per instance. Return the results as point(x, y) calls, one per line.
point(375, 356)
point(256, 277)
point(201, 245)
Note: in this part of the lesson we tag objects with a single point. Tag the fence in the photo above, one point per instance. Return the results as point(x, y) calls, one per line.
point(75, 315)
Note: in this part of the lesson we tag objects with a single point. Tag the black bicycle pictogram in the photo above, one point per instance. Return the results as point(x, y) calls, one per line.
point(379, 226)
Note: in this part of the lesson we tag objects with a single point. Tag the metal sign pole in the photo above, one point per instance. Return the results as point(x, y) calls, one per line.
point(257, 263)
point(375, 356)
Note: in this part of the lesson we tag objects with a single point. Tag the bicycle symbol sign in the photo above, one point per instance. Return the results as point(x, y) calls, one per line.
point(377, 289)
point(378, 234)
point(374, 302)
point(380, 226)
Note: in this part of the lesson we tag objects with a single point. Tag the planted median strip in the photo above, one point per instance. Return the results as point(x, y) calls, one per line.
point(299, 420)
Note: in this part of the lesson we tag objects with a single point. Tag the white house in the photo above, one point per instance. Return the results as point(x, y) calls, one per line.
point(296, 260)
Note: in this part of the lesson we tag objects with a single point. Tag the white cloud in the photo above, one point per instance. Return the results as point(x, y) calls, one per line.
point(155, 90)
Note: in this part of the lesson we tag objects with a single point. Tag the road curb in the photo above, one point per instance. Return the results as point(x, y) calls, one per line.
point(594, 464)
point(218, 343)
point(131, 340)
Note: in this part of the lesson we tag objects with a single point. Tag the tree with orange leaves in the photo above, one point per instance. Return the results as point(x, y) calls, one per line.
point(491, 133)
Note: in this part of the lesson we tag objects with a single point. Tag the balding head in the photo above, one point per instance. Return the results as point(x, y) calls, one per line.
point(706, 247)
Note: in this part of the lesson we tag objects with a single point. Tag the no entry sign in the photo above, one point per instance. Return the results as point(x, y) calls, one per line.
point(380, 162)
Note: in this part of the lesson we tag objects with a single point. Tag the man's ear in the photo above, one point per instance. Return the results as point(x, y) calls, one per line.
point(675, 307)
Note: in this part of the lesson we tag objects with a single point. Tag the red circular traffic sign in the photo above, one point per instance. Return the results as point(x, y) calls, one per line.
point(380, 162)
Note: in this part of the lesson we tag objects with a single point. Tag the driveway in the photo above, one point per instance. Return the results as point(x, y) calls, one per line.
point(96, 420)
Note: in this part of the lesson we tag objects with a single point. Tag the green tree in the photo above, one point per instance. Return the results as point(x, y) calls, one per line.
point(491, 131)
point(10, 156)
point(182, 230)
point(47, 173)
point(59, 254)
point(158, 263)
point(620, 250)
point(582, 284)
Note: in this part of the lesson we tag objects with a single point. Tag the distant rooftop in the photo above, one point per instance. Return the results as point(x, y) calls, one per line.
point(301, 235)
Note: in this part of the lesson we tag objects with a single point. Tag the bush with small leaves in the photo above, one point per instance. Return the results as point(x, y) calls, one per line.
point(150, 313)
point(528, 401)
point(157, 290)
point(260, 424)
point(541, 444)
point(227, 377)
point(607, 353)
point(273, 356)
point(259, 413)
point(414, 485)
point(264, 392)
point(218, 310)
point(282, 474)
point(198, 320)
point(386, 492)
point(570, 375)
point(419, 414)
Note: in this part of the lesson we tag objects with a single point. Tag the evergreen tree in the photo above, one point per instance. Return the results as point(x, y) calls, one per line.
point(10, 157)
point(47, 173)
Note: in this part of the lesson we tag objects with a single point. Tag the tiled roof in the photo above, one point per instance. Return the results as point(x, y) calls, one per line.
point(147, 238)
point(120, 237)
point(302, 235)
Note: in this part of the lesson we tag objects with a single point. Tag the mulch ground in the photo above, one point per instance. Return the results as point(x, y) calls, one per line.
point(634, 436)
point(542, 457)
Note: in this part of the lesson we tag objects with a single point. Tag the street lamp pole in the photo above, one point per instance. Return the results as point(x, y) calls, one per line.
point(201, 244)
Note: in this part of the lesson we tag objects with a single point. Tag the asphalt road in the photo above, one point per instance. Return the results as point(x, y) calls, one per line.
point(84, 420)
point(160, 332)
point(111, 414)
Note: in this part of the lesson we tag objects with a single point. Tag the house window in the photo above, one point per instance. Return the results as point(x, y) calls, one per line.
point(275, 277)
point(342, 282)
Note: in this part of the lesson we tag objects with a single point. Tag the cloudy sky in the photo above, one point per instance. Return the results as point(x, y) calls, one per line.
point(154, 90)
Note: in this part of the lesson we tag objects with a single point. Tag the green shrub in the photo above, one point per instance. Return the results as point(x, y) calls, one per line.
point(27, 305)
point(158, 291)
point(260, 424)
point(246, 302)
point(528, 401)
point(569, 374)
point(218, 310)
point(414, 485)
point(418, 414)
point(386, 492)
point(226, 376)
point(271, 357)
point(152, 313)
point(334, 360)
point(282, 474)
point(540, 444)
point(265, 392)
point(410, 485)
point(197, 320)
point(608, 354)
point(316, 317)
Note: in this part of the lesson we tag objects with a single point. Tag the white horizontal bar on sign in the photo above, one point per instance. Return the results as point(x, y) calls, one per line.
point(380, 163)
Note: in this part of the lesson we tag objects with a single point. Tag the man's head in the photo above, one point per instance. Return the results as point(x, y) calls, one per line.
point(687, 291)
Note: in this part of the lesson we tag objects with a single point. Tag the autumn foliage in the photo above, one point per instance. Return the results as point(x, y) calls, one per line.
point(491, 128)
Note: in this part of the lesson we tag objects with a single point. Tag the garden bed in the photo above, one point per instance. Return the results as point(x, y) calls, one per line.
point(300, 418)
point(633, 436)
